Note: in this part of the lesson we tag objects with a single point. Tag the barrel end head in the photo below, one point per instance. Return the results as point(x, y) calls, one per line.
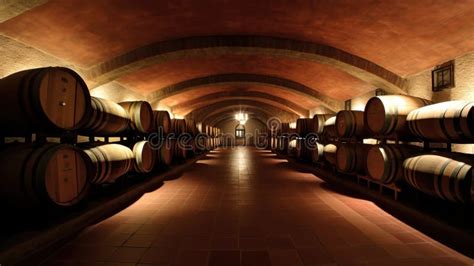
point(375, 115)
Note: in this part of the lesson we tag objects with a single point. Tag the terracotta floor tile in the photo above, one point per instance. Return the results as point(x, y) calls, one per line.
point(252, 243)
point(192, 258)
point(247, 206)
point(315, 256)
point(255, 258)
point(126, 254)
point(139, 241)
point(285, 257)
point(224, 243)
point(195, 243)
point(279, 242)
point(227, 258)
point(160, 256)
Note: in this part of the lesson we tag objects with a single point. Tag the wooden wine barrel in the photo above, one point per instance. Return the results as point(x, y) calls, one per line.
point(451, 121)
point(304, 126)
point(162, 122)
point(386, 115)
point(191, 127)
point(178, 127)
point(329, 153)
point(352, 157)
point(211, 131)
point(179, 153)
point(108, 118)
point(141, 116)
point(292, 147)
point(350, 124)
point(330, 127)
point(285, 128)
point(200, 127)
point(49, 175)
point(317, 153)
point(144, 157)
point(303, 153)
point(110, 161)
point(385, 162)
point(164, 153)
point(47, 100)
point(447, 176)
point(318, 122)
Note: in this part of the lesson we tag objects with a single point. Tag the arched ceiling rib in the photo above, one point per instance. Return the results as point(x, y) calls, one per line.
point(381, 31)
point(241, 105)
point(294, 98)
point(253, 99)
point(208, 45)
point(11, 9)
point(215, 121)
point(322, 78)
point(229, 115)
point(241, 78)
point(188, 106)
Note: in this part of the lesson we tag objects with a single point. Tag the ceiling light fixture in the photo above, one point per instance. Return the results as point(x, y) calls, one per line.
point(241, 117)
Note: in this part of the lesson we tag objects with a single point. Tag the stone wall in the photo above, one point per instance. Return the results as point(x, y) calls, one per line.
point(251, 128)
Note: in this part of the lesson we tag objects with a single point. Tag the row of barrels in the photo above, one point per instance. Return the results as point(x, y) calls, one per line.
point(54, 100)
point(60, 174)
point(399, 117)
point(446, 175)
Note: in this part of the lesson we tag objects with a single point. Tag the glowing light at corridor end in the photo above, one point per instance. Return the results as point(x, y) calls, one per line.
point(242, 118)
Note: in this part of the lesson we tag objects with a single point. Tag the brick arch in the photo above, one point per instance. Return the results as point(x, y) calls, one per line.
point(188, 106)
point(202, 114)
point(229, 114)
point(162, 51)
point(245, 78)
point(221, 119)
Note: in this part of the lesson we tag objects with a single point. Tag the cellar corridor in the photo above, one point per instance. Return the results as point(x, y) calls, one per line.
point(244, 206)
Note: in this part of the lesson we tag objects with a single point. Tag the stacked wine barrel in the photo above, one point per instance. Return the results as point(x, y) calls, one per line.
point(324, 128)
point(55, 102)
point(282, 138)
point(161, 143)
point(398, 122)
point(306, 138)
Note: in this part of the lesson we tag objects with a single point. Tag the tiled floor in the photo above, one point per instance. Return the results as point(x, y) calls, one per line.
point(246, 207)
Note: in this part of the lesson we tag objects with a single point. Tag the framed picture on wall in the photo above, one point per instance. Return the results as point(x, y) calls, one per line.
point(442, 77)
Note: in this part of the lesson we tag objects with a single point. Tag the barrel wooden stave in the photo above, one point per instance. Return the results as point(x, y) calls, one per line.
point(451, 121)
point(352, 157)
point(385, 162)
point(304, 127)
point(317, 154)
point(110, 161)
point(48, 175)
point(144, 156)
point(318, 122)
point(178, 127)
point(386, 115)
point(330, 127)
point(140, 114)
point(163, 153)
point(350, 123)
point(46, 100)
point(107, 119)
point(329, 153)
point(447, 176)
point(178, 150)
point(162, 122)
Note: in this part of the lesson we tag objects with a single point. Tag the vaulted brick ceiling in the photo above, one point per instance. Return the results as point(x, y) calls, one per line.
point(338, 49)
